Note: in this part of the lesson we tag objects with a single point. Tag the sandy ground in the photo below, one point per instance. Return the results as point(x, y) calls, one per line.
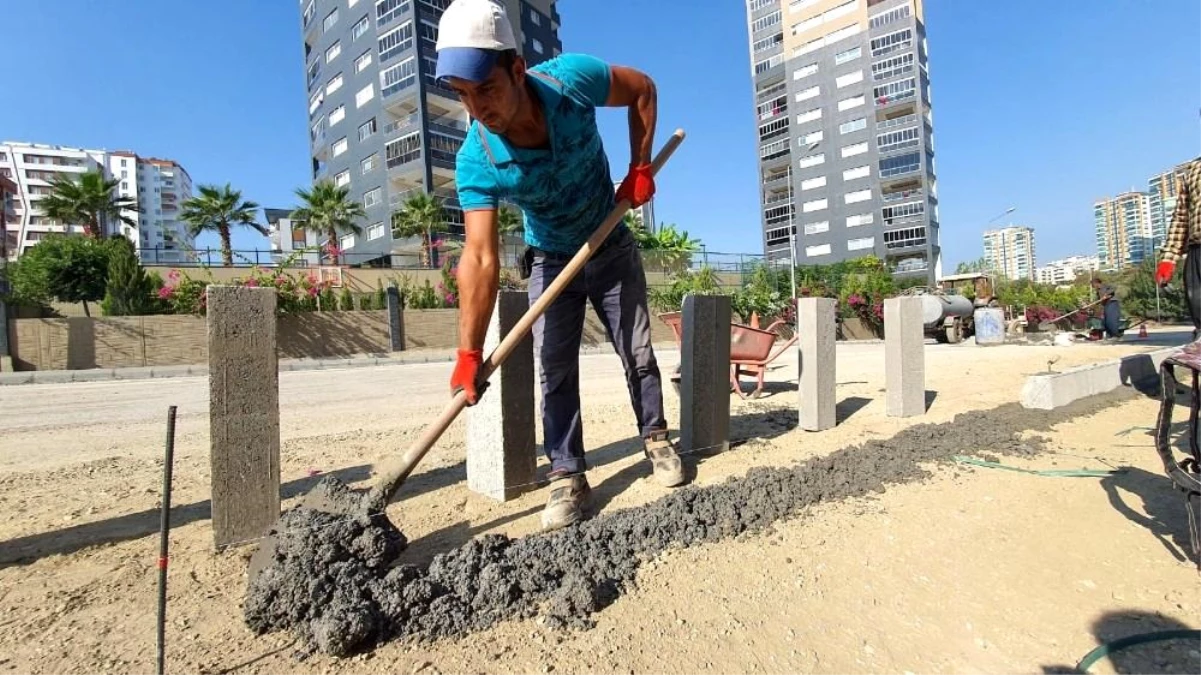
point(974, 570)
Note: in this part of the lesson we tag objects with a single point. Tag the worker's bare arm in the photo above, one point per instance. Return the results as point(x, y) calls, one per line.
point(479, 269)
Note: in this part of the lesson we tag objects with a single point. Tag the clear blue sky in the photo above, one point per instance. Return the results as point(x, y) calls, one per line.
point(1044, 105)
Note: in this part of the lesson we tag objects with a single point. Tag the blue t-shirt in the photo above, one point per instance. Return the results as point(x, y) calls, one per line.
point(566, 191)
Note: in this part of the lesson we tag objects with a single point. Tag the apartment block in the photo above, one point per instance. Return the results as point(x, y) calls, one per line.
point(159, 185)
point(290, 240)
point(845, 132)
point(1066, 270)
point(8, 216)
point(1161, 202)
point(379, 122)
point(1123, 230)
point(1010, 252)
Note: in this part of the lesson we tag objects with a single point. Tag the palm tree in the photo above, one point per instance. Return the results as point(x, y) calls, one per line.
point(218, 209)
point(422, 216)
point(88, 201)
point(328, 210)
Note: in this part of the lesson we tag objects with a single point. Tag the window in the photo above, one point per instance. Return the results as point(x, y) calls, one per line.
point(337, 115)
point(535, 18)
point(769, 42)
point(340, 146)
point(334, 84)
point(346, 242)
point(852, 102)
point(815, 205)
point(895, 91)
point(885, 18)
point(849, 78)
point(779, 235)
point(389, 10)
point(892, 67)
point(773, 129)
point(363, 61)
point(396, 41)
point(372, 197)
point(330, 20)
point(812, 160)
point(774, 149)
point(804, 71)
point(857, 196)
point(896, 140)
point(765, 22)
point(843, 33)
point(333, 52)
point(807, 93)
point(801, 27)
point(817, 228)
point(825, 17)
point(768, 63)
point(359, 28)
point(861, 219)
point(315, 101)
point(905, 238)
point(375, 231)
point(809, 116)
point(810, 138)
point(369, 163)
point(900, 164)
point(853, 125)
point(769, 109)
point(367, 129)
point(364, 95)
point(343, 178)
point(886, 44)
point(815, 251)
point(398, 77)
point(860, 244)
point(779, 214)
point(856, 173)
point(536, 44)
point(813, 183)
point(352, 3)
point(856, 149)
point(903, 213)
point(798, 5)
point(847, 55)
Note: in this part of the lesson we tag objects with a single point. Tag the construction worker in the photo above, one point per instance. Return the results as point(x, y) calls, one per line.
point(534, 142)
point(1111, 309)
point(1184, 239)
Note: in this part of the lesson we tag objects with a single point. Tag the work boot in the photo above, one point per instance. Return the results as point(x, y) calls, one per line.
point(669, 470)
point(566, 503)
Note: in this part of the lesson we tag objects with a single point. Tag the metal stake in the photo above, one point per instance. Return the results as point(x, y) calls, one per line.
point(164, 526)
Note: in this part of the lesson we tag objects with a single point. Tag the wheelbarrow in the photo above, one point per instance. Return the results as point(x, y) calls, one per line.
point(750, 350)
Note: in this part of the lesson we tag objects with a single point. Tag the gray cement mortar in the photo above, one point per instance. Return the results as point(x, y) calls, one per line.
point(339, 584)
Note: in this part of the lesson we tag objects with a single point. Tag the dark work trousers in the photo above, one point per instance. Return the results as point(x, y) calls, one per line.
point(1111, 319)
point(1192, 286)
point(615, 283)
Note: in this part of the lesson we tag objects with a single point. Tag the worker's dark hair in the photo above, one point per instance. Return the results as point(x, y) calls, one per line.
point(506, 60)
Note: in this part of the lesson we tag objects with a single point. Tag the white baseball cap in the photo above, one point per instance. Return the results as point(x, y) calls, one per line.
point(471, 35)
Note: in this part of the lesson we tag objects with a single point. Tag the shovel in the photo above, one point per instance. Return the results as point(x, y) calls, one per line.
point(1045, 325)
point(394, 474)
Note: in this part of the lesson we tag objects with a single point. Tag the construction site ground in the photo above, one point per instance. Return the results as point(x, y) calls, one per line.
point(972, 570)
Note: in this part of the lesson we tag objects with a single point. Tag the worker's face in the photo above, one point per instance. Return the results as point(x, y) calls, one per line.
point(494, 101)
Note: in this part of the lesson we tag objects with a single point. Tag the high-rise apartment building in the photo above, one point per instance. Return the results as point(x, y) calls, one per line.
point(1161, 202)
point(1009, 252)
point(159, 185)
point(1065, 270)
point(8, 217)
point(1123, 227)
point(379, 122)
point(846, 149)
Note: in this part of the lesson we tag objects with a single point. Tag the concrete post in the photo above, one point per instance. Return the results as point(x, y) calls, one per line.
point(243, 412)
point(705, 374)
point(501, 450)
point(904, 356)
point(6, 359)
point(816, 327)
point(396, 320)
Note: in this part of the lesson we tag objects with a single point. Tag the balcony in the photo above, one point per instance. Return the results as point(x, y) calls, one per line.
point(401, 124)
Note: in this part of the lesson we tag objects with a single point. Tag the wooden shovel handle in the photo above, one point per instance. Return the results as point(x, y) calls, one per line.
point(395, 473)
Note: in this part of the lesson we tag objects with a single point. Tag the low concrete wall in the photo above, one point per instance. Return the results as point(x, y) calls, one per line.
point(1054, 390)
point(80, 343)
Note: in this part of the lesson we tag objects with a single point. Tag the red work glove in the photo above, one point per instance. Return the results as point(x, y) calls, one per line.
point(638, 186)
point(1163, 273)
point(467, 371)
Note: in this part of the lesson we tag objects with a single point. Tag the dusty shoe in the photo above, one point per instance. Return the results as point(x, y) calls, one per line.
point(569, 495)
point(669, 470)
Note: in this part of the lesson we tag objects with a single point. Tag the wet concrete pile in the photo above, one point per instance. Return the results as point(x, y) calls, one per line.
point(338, 587)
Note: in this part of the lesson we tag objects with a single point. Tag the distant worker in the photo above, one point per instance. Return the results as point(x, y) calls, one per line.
point(1111, 309)
point(1184, 237)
